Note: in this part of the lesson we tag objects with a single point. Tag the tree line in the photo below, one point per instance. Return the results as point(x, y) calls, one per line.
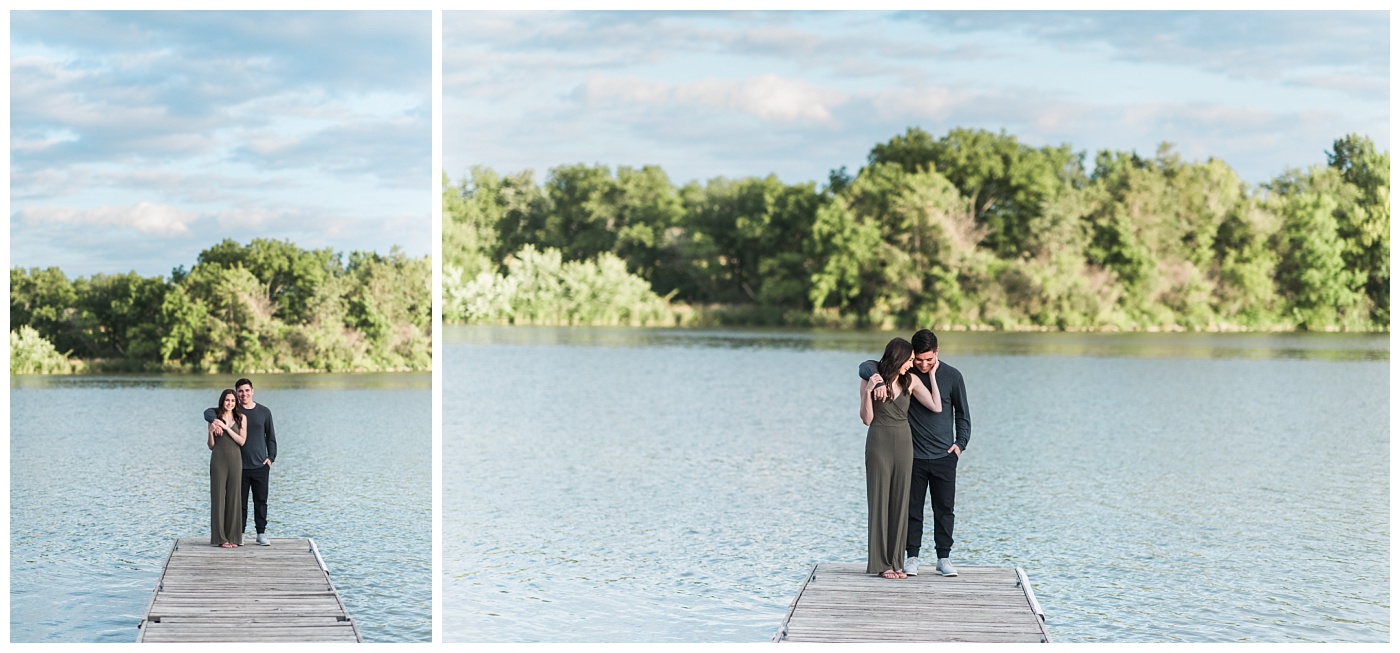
point(972, 229)
point(261, 307)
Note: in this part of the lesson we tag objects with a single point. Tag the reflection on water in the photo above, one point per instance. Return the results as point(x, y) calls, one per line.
point(105, 472)
point(372, 381)
point(635, 485)
point(1310, 346)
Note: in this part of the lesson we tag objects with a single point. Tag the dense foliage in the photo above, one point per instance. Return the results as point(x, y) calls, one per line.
point(973, 229)
point(264, 306)
point(30, 353)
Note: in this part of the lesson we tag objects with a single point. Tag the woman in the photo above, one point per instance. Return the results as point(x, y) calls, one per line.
point(889, 456)
point(226, 474)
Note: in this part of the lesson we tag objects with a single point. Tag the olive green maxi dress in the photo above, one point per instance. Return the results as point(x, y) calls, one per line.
point(889, 458)
point(225, 497)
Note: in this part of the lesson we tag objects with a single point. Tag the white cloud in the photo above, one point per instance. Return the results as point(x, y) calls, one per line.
point(145, 217)
point(1361, 86)
point(42, 141)
point(709, 94)
point(768, 97)
point(250, 218)
point(1162, 116)
point(932, 103)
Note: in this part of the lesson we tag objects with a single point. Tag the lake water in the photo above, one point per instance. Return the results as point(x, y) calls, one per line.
point(616, 485)
point(105, 473)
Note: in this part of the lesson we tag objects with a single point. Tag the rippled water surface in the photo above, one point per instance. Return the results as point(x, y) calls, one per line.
point(627, 485)
point(105, 473)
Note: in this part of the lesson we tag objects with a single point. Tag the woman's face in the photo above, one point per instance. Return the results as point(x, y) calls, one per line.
point(905, 367)
point(228, 402)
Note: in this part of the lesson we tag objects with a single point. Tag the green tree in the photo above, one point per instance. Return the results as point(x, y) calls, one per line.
point(470, 213)
point(649, 212)
point(1248, 266)
point(1363, 217)
point(846, 252)
point(305, 312)
point(1007, 181)
point(391, 304)
point(583, 218)
point(289, 275)
point(115, 314)
point(46, 300)
point(30, 353)
point(183, 324)
point(857, 263)
point(1313, 273)
point(1057, 286)
point(971, 228)
point(240, 331)
point(746, 240)
point(540, 287)
point(517, 206)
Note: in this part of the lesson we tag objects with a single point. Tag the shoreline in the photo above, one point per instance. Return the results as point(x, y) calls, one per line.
point(88, 371)
point(979, 328)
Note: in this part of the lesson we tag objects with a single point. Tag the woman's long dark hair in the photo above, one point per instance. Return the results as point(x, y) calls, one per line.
point(897, 353)
point(237, 410)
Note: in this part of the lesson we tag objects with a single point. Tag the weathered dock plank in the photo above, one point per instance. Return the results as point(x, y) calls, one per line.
point(839, 602)
point(281, 593)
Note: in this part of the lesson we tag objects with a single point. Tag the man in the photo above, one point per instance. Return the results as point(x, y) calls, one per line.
point(259, 450)
point(939, 440)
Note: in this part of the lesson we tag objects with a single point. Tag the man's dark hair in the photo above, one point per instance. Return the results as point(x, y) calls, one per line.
point(242, 382)
point(924, 341)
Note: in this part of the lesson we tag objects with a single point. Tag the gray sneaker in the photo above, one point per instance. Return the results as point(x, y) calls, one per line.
point(945, 568)
point(262, 539)
point(911, 565)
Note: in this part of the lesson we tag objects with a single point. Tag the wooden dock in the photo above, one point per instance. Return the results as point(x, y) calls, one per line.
point(278, 593)
point(839, 602)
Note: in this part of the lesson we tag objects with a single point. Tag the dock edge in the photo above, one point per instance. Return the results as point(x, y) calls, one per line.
point(783, 628)
point(160, 582)
point(1025, 584)
point(354, 627)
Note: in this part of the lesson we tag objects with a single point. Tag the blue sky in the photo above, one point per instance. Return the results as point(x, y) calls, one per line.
point(801, 93)
point(139, 139)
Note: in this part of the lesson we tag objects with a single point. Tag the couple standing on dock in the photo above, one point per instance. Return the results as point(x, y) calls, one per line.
point(243, 444)
point(911, 447)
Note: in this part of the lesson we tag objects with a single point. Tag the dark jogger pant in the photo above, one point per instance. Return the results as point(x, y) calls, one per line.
point(939, 478)
point(256, 480)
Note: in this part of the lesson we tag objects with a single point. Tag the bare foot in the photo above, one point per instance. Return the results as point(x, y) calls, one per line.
point(890, 574)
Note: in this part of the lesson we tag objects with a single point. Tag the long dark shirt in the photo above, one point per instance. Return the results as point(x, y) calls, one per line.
point(262, 437)
point(935, 433)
